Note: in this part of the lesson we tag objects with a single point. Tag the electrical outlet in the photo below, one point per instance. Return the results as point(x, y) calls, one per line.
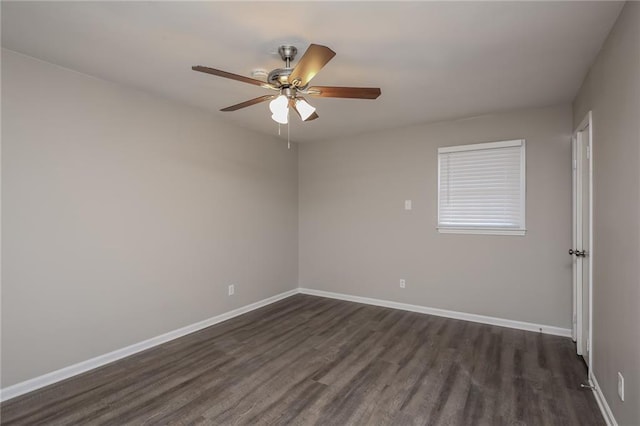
point(403, 283)
point(620, 387)
point(232, 290)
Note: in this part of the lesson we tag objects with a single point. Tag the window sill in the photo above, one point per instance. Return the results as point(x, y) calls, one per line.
point(516, 232)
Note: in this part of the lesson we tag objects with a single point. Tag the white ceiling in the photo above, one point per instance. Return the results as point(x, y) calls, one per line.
point(433, 61)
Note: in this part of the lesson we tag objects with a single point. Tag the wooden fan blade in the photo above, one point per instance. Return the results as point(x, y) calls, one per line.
point(232, 76)
point(249, 103)
point(311, 62)
point(344, 92)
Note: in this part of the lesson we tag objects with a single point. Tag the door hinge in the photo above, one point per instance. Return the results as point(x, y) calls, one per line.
point(588, 152)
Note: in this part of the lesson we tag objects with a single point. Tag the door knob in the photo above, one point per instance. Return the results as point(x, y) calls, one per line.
point(581, 253)
point(571, 251)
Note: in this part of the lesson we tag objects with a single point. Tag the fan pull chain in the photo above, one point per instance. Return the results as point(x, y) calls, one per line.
point(278, 129)
point(288, 140)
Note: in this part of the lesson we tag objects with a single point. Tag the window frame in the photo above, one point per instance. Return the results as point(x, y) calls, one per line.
point(486, 230)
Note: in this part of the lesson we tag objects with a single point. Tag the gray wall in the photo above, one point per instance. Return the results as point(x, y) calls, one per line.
point(126, 216)
point(612, 91)
point(356, 237)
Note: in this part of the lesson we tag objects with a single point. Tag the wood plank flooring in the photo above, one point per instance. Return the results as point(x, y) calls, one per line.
point(308, 360)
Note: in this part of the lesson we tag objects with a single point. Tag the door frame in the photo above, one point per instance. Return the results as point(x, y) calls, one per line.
point(577, 217)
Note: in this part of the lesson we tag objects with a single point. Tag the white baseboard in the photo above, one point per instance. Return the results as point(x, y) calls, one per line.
point(520, 325)
point(602, 401)
point(90, 364)
point(84, 366)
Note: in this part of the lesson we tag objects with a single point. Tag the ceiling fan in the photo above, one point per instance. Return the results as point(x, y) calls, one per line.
point(292, 83)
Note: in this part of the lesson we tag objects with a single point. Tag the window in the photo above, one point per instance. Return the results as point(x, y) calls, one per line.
point(481, 188)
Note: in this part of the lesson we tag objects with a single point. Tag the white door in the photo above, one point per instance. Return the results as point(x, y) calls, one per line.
point(581, 250)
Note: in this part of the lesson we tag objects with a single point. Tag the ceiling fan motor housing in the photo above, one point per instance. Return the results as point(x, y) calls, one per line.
point(279, 77)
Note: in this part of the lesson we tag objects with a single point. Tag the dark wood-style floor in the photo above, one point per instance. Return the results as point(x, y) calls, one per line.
point(310, 360)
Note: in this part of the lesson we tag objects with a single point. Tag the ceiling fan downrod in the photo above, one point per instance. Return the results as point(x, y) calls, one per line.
point(288, 54)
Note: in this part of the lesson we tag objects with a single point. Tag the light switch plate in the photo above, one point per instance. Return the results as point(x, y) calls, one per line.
point(407, 204)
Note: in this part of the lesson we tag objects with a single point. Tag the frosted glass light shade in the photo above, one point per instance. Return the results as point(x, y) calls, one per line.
point(304, 108)
point(280, 109)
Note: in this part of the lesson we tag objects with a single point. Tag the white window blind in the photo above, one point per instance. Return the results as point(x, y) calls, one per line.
point(481, 188)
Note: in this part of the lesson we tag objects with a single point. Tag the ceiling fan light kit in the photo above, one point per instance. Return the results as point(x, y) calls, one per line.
point(292, 83)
